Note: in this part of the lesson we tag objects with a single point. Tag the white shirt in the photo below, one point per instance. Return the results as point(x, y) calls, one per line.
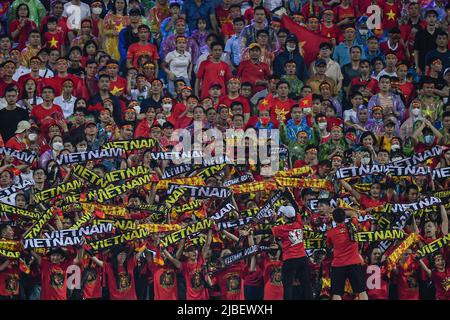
point(351, 116)
point(179, 63)
point(384, 73)
point(66, 105)
point(20, 71)
point(70, 10)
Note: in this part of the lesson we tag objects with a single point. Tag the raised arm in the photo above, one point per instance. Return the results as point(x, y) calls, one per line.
point(349, 188)
point(175, 261)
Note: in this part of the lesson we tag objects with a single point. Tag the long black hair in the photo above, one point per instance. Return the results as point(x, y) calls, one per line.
point(125, 10)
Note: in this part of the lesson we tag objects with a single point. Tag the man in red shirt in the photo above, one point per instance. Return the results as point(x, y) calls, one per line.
point(253, 70)
point(142, 48)
point(47, 108)
point(233, 87)
point(347, 261)
point(295, 261)
point(212, 70)
point(8, 68)
point(281, 106)
point(117, 85)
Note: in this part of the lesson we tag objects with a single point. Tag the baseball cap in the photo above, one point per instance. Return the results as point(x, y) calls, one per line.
point(89, 122)
point(23, 126)
point(254, 45)
point(291, 38)
point(287, 211)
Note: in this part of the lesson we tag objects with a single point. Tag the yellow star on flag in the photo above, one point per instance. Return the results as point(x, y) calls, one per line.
point(264, 102)
point(116, 90)
point(427, 113)
point(54, 43)
point(391, 15)
point(305, 102)
point(119, 27)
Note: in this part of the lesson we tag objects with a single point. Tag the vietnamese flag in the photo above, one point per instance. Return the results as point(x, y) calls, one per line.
point(306, 102)
point(308, 40)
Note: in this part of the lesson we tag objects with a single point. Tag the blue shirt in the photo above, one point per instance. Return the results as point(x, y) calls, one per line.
point(341, 53)
point(233, 48)
point(193, 13)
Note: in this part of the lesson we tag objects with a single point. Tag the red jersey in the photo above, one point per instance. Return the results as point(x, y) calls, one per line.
point(332, 32)
point(4, 85)
point(391, 14)
point(57, 81)
point(231, 282)
point(9, 279)
point(280, 106)
point(345, 251)
point(228, 101)
point(408, 287)
point(251, 72)
point(92, 288)
point(195, 282)
point(407, 89)
point(136, 50)
point(371, 84)
point(121, 285)
point(291, 239)
point(213, 72)
point(165, 280)
point(223, 16)
point(40, 113)
point(54, 279)
point(399, 50)
point(273, 286)
point(118, 85)
point(342, 13)
point(441, 281)
point(53, 40)
point(22, 37)
point(369, 202)
point(383, 292)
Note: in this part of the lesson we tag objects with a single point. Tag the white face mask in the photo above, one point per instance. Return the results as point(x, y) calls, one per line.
point(266, 171)
point(58, 146)
point(307, 110)
point(322, 125)
point(290, 49)
point(416, 112)
point(365, 161)
point(395, 147)
point(363, 32)
point(161, 121)
point(82, 149)
point(167, 107)
point(32, 136)
point(137, 109)
point(97, 10)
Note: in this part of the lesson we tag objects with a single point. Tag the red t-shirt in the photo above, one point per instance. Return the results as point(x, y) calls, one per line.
point(195, 282)
point(371, 84)
point(273, 286)
point(119, 85)
point(40, 113)
point(22, 37)
point(22, 79)
point(125, 289)
point(345, 251)
point(441, 281)
point(9, 279)
point(53, 40)
point(54, 280)
point(4, 85)
point(408, 286)
point(228, 101)
point(250, 72)
point(399, 50)
point(165, 280)
point(382, 293)
point(136, 50)
point(92, 288)
point(57, 81)
point(277, 104)
point(330, 32)
point(291, 239)
point(231, 282)
point(368, 202)
point(212, 72)
point(391, 14)
point(223, 15)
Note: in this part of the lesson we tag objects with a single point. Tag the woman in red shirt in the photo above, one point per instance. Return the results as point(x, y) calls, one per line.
point(273, 285)
point(143, 128)
point(380, 288)
point(21, 26)
point(440, 276)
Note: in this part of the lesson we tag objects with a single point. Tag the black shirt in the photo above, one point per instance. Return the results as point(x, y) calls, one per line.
point(424, 43)
point(9, 120)
point(150, 103)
